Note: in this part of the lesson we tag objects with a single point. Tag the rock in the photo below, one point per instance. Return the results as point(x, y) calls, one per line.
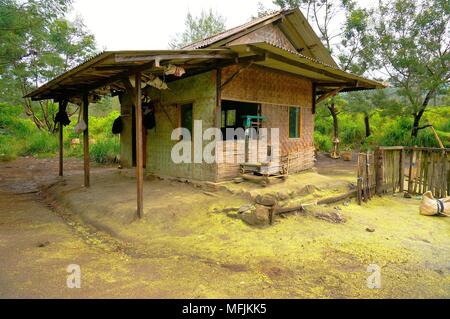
point(307, 190)
point(370, 229)
point(44, 244)
point(407, 195)
point(238, 180)
point(325, 213)
point(346, 203)
point(244, 209)
point(266, 200)
point(257, 217)
point(282, 196)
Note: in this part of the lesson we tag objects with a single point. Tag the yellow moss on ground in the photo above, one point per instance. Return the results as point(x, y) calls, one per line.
point(210, 255)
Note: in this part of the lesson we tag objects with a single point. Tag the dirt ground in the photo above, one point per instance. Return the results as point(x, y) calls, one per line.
point(185, 248)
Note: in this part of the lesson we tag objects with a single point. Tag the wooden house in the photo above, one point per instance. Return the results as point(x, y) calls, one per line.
point(273, 68)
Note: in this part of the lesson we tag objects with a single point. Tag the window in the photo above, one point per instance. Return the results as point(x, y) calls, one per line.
point(186, 117)
point(295, 120)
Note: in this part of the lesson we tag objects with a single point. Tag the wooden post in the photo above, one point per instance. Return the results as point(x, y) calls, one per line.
point(368, 192)
point(379, 171)
point(411, 159)
point(313, 98)
point(86, 141)
point(61, 108)
point(359, 181)
point(402, 171)
point(218, 108)
point(139, 148)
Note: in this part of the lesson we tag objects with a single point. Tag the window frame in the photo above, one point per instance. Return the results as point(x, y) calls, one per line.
point(299, 121)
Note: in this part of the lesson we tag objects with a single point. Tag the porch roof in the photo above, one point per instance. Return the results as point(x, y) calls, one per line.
point(105, 72)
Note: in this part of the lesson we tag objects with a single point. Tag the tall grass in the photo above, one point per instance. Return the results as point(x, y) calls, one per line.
point(20, 137)
point(386, 131)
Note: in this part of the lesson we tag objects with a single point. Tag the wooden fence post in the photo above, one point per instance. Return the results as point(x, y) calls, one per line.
point(411, 158)
point(379, 171)
point(402, 171)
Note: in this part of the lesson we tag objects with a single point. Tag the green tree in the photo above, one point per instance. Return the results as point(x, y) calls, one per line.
point(198, 28)
point(411, 45)
point(37, 43)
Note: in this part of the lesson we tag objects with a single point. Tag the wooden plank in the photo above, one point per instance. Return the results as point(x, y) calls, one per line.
point(411, 159)
point(139, 148)
point(314, 89)
point(329, 94)
point(379, 171)
point(120, 58)
point(402, 171)
point(86, 140)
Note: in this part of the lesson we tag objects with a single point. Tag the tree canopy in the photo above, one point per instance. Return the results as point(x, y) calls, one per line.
point(37, 43)
point(197, 28)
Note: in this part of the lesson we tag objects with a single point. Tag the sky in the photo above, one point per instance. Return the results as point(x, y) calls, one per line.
point(150, 24)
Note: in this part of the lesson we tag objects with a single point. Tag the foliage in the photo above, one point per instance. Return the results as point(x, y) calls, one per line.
point(198, 28)
point(20, 137)
point(387, 129)
point(411, 44)
point(37, 43)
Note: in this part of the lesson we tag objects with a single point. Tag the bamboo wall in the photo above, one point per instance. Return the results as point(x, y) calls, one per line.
point(275, 92)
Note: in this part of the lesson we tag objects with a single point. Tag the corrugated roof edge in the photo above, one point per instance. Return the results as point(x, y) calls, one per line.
point(209, 40)
point(54, 80)
point(316, 61)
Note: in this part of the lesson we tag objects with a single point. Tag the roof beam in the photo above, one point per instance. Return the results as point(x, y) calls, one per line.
point(119, 58)
point(301, 65)
point(329, 94)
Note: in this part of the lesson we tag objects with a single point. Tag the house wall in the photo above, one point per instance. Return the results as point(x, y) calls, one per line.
point(275, 91)
point(200, 90)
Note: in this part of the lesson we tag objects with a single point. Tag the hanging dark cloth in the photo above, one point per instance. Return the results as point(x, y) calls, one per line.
point(62, 117)
point(117, 125)
point(149, 116)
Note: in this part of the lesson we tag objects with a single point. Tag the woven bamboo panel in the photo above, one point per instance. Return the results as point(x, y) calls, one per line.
point(278, 117)
point(269, 33)
point(260, 85)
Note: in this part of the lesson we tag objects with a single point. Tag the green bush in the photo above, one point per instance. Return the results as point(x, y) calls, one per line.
point(322, 142)
point(105, 151)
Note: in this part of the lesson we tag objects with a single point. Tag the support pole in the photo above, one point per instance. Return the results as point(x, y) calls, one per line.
point(86, 140)
point(61, 108)
point(217, 109)
point(313, 98)
point(139, 148)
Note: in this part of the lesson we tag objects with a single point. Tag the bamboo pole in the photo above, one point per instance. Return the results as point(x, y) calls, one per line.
point(402, 171)
point(86, 141)
point(139, 148)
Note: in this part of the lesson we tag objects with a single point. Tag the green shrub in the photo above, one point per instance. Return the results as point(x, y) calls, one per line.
point(322, 142)
point(105, 151)
point(40, 144)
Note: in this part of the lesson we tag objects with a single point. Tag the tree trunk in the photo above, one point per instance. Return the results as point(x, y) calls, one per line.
point(367, 125)
point(334, 114)
point(418, 115)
